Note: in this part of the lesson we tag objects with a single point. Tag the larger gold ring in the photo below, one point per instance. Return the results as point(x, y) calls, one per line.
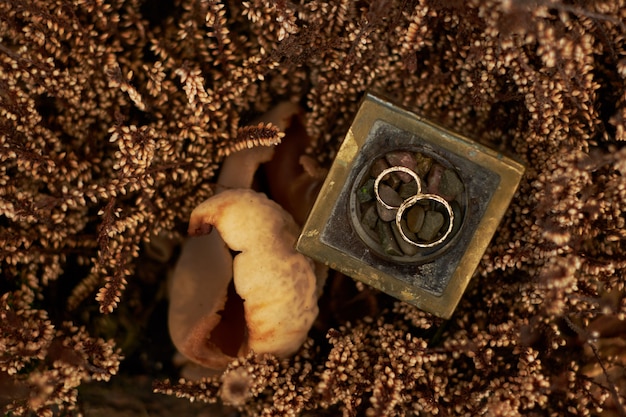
point(410, 202)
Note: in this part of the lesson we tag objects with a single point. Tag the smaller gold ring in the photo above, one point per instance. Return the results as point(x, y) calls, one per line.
point(388, 171)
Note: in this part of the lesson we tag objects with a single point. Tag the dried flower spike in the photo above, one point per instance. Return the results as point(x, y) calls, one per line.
point(264, 134)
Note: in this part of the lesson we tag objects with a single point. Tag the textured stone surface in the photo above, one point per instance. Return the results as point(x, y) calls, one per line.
point(434, 178)
point(365, 192)
point(392, 198)
point(403, 159)
point(378, 166)
point(423, 164)
point(415, 218)
point(404, 246)
point(450, 185)
point(408, 189)
point(369, 216)
point(433, 220)
point(388, 240)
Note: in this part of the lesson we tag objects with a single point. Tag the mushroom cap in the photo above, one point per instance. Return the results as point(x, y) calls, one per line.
point(277, 284)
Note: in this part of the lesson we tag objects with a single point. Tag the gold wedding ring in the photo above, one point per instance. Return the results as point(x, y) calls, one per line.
point(389, 171)
point(410, 202)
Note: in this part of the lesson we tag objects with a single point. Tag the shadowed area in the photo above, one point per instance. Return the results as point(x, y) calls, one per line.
point(231, 331)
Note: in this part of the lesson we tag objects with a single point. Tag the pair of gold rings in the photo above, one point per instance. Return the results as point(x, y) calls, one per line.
point(410, 202)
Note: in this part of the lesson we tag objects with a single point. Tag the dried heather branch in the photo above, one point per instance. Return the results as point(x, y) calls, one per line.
point(263, 134)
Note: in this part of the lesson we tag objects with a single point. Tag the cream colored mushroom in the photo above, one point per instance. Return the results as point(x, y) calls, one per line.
point(278, 285)
point(209, 322)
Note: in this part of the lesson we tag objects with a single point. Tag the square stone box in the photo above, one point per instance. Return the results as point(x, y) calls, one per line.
point(345, 229)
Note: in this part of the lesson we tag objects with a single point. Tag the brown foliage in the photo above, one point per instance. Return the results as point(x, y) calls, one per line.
point(115, 116)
